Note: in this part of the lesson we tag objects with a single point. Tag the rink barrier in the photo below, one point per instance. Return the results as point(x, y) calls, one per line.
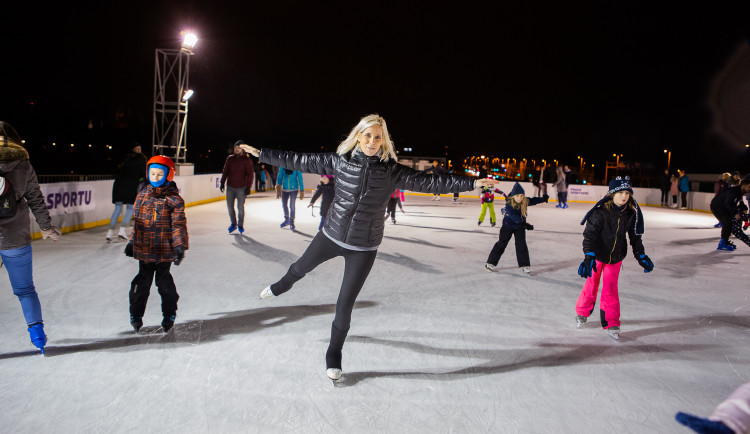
point(76, 206)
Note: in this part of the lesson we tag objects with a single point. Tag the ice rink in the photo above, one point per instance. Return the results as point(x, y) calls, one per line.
point(437, 344)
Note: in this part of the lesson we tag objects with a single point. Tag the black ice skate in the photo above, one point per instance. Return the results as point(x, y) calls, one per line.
point(136, 322)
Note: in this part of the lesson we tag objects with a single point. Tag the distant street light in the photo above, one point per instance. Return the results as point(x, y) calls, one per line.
point(669, 158)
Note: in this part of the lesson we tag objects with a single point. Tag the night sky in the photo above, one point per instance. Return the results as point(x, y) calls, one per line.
point(527, 80)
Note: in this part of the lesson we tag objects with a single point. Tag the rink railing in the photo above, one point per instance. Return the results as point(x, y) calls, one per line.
point(78, 205)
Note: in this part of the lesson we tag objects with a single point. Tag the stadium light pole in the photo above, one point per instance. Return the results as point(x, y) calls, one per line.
point(171, 94)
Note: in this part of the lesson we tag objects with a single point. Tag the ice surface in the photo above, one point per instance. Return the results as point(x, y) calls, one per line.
point(437, 344)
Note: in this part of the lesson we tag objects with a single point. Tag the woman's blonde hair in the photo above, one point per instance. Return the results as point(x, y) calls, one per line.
point(521, 206)
point(350, 142)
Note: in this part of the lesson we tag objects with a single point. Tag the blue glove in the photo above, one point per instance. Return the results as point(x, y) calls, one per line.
point(699, 424)
point(646, 263)
point(588, 264)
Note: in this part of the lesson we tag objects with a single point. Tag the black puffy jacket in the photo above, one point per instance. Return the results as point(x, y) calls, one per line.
point(605, 234)
point(363, 186)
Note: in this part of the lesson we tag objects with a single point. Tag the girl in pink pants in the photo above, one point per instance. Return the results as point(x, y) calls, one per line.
point(605, 246)
point(610, 302)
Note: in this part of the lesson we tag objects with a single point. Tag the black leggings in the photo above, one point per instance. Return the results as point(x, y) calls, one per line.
point(140, 288)
point(522, 250)
point(357, 266)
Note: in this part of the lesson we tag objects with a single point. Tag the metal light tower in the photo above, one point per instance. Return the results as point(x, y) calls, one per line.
point(171, 93)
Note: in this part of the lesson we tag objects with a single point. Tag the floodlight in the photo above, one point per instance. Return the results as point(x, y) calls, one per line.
point(188, 94)
point(189, 39)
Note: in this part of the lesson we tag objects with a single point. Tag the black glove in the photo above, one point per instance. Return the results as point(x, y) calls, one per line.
point(179, 254)
point(221, 188)
point(528, 226)
point(129, 249)
point(546, 198)
point(247, 191)
point(588, 264)
point(645, 262)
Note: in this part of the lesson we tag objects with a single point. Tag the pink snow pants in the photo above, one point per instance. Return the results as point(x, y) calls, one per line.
point(609, 306)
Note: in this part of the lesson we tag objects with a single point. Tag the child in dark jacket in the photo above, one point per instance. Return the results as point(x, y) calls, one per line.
point(326, 188)
point(729, 208)
point(159, 238)
point(605, 246)
point(515, 225)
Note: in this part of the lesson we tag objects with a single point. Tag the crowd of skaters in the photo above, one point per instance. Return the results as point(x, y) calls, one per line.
point(160, 238)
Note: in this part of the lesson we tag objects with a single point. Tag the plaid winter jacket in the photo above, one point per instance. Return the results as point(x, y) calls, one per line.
point(159, 224)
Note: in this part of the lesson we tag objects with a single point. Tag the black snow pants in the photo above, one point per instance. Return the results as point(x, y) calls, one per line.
point(522, 250)
point(140, 288)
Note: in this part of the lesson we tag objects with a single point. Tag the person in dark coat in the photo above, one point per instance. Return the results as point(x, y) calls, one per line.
point(665, 183)
point(129, 177)
point(366, 170)
point(514, 225)
point(238, 173)
point(605, 247)
point(159, 238)
point(438, 169)
point(729, 208)
point(327, 190)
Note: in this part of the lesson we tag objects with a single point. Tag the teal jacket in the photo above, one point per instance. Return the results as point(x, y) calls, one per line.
point(290, 180)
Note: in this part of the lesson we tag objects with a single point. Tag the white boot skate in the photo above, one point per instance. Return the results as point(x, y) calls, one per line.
point(266, 293)
point(580, 320)
point(526, 270)
point(122, 235)
point(334, 373)
point(613, 332)
point(110, 234)
point(489, 267)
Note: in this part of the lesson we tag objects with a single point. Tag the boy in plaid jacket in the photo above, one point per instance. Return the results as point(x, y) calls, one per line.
point(159, 238)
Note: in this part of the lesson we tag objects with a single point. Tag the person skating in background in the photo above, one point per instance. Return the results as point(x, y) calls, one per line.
point(326, 188)
point(238, 174)
point(367, 172)
point(515, 225)
point(605, 247)
point(537, 180)
point(130, 175)
point(664, 184)
point(684, 186)
point(395, 200)
point(438, 169)
point(487, 198)
point(20, 192)
point(722, 184)
point(288, 184)
point(730, 209)
point(731, 416)
point(562, 188)
point(674, 189)
point(160, 237)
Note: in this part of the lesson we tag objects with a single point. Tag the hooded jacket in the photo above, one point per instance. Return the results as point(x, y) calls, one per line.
point(513, 218)
point(15, 232)
point(159, 224)
point(363, 186)
point(605, 233)
point(728, 203)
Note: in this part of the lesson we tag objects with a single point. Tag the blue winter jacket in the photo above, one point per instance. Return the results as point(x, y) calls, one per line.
point(290, 180)
point(684, 184)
